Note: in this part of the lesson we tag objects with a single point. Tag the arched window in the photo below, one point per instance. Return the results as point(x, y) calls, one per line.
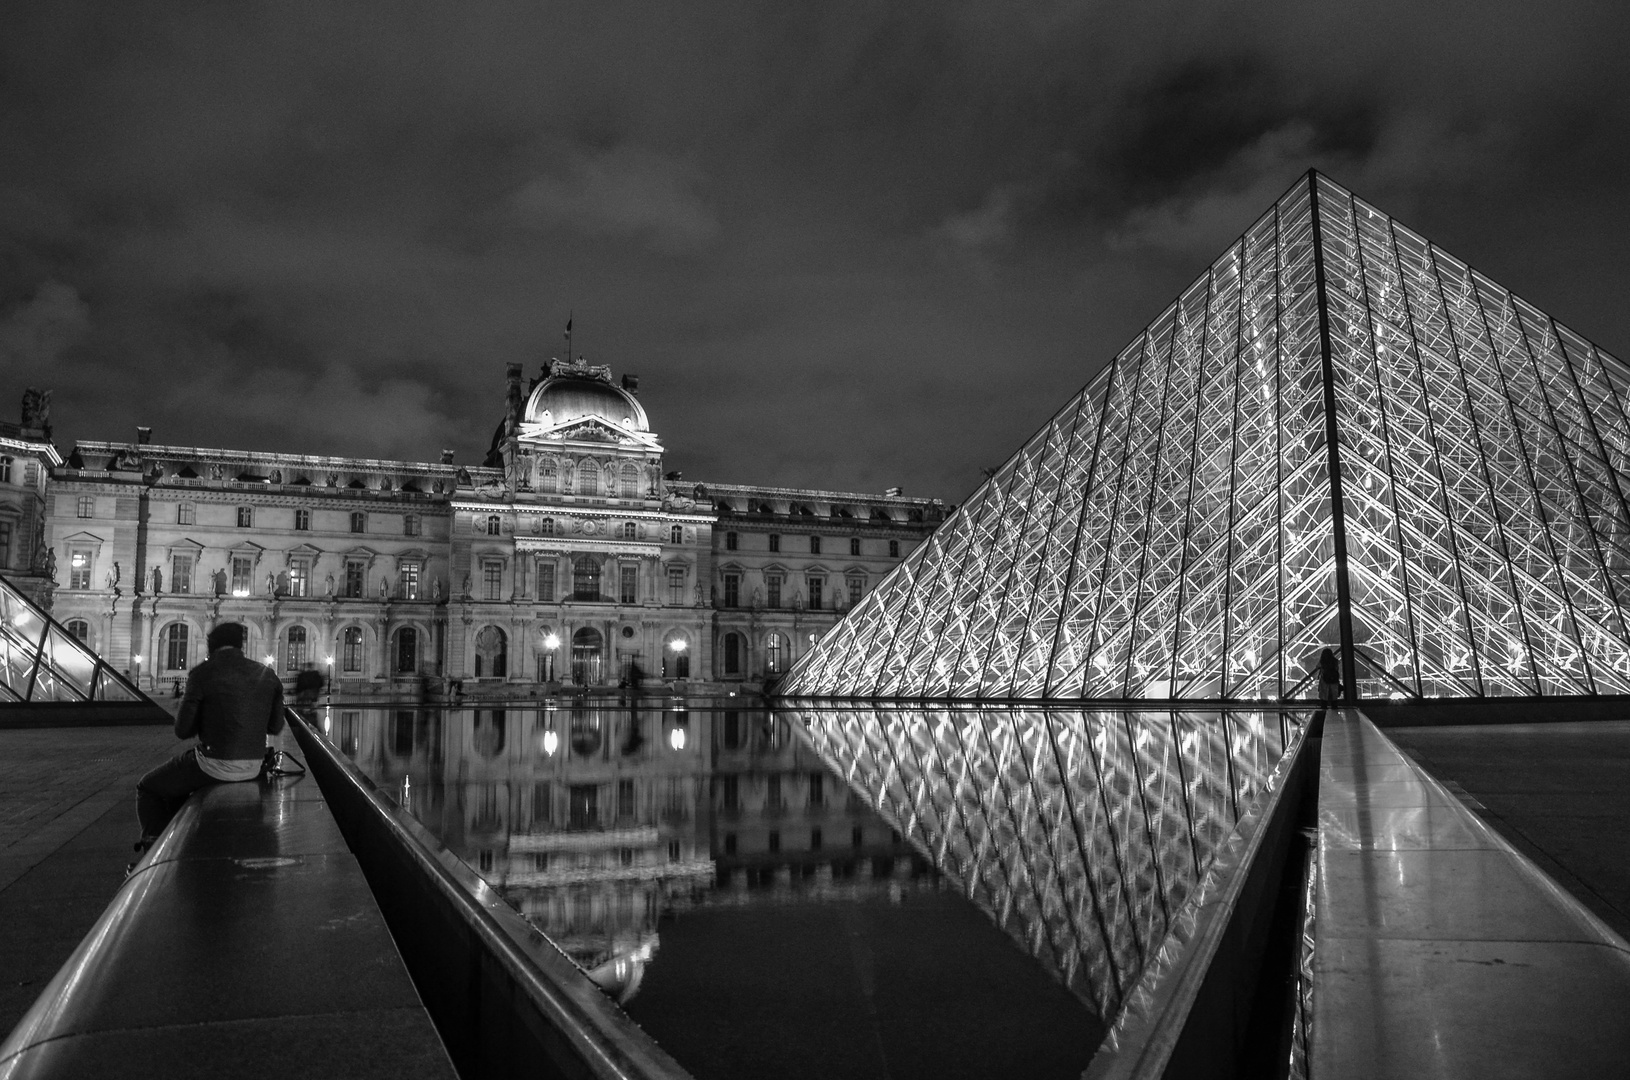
point(733, 654)
point(407, 651)
point(630, 481)
point(586, 578)
point(492, 525)
point(80, 629)
point(775, 654)
point(631, 531)
point(175, 647)
point(359, 521)
point(587, 649)
point(491, 648)
point(351, 649)
point(676, 535)
point(588, 478)
point(297, 649)
point(676, 655)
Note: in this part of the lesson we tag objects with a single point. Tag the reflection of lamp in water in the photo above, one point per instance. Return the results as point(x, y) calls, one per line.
point(676, 737)
point(551, 743)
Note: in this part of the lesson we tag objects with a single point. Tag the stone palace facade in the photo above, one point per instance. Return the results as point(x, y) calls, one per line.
point(569, 556)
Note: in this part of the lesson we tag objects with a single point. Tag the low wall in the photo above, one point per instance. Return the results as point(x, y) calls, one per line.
point(505, 1000)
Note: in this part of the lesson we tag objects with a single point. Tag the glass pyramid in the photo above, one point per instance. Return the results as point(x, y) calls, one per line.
point(41, 661)
point(1338, 436)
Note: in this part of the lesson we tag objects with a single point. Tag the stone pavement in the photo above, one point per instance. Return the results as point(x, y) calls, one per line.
point(67, 820)
point(1559, 792)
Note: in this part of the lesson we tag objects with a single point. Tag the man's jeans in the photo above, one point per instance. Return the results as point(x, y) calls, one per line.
point(161, 793)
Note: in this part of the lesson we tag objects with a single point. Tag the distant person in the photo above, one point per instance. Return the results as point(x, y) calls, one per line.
point(231, 705)
point(1329, 677)
point(308, 685)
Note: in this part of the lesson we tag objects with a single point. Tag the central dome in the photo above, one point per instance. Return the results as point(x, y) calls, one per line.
point(577, 391)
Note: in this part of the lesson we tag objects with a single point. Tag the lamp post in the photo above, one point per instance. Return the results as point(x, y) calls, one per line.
point(329, 687)
point(136, 666)
point(678, 646)
point(551, 642)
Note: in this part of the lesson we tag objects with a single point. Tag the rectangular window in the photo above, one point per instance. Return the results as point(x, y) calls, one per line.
point(409, 572)
point(356, 572)
point(857, 586)
point(185, 513)
point(410, 524)
point(302, 520)
point(492, 580)
point(546, 580)
point(817, 789)
point(31, 475)
point(775, 542)
point(894, 549)
point(299, 577)
point(815, 586)
point(772, 798)
point(732, 590)
point(87, 506)
point(5, 545)
point(630, 577)
point(79, 569)
point(772, 590)
point(730, 541)
point(181, 574)
point(854, 545)
point(676, 585)
point(625, 799)
point(243, 568)
point(359, 521)
point(814, 545)
point(175, 647)
point(5, 470)
point(246, 517)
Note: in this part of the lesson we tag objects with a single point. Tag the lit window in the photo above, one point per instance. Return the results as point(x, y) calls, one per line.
point(299, 577)
point(586, 579)
point(493, 525)
point(732, 590)
point(730, 541)
point(492, 580)
point(676, 535)
point(814, 545)
point(302, 520)
point(175, 647)
point(246, 517)
point(894, 549)
point(359, 521)
point(676, 585)
point(546, 580)
point(775, 653)
point(356, 578)
point(181, 574)
point(631, 531)
point(79, 569)
point(242, 575)
point(410, 524)
point(854, 545)
point(857, 586)
point(80, 629)
point(409, 575)
point(185, 513)
point(87, 506)
point(351, 649)
point(772, 589)
point(815, 586)
point(775, 542)
point(297, 649)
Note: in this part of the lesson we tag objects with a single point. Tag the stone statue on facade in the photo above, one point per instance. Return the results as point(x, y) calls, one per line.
point(328, 586)
point(277, 476)
point(220, 582)
point(271, 584)
point(37, 409)
point(466, 591)
point(384, 587)
point(435, 589)
point(158, 581)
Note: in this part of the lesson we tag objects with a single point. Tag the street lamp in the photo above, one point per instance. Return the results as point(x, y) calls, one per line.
point(330, 686)
point(551, 642)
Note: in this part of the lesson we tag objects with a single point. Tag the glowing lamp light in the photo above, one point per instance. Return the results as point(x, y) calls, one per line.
point(551, 743)
point(270, 659)
point(676, 738)
point(551, 642)
point(678, 645)
point(240, 592)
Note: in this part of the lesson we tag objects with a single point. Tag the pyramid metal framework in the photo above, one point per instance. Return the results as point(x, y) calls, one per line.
point(1085, 835)
point(41, 661)
point(1338, 436)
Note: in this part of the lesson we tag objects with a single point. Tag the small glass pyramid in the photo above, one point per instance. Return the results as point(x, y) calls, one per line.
point(1338, 436)
point(41, 661)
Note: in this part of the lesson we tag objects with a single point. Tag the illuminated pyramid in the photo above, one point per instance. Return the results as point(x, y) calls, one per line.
point(1338, 436)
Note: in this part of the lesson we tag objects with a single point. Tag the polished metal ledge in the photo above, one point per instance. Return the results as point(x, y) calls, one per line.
point(1441, 951)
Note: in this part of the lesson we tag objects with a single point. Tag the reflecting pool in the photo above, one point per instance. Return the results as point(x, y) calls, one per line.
point(839, 892)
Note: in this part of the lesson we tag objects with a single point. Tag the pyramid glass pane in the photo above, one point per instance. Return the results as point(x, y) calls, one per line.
point(1338, 436)
point(41, 661)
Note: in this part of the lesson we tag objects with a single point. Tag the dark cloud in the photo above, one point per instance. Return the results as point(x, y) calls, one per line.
point(844, 244)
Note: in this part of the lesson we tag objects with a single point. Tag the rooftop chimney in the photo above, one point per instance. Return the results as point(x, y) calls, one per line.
point(894, 492)
point(446, 457)
point(144, 435)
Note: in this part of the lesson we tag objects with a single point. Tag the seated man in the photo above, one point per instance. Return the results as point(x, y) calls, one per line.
point(232, 704)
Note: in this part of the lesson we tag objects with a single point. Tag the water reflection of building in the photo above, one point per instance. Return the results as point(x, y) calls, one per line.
point(595, 822)
point(568, 556)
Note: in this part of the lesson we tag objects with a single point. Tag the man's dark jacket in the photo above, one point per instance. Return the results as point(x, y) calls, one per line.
point(231, 704)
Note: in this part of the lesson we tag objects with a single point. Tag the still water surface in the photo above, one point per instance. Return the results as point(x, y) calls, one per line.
point(838, 892)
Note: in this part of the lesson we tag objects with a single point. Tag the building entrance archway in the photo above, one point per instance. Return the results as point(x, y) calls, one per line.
point(588, 649)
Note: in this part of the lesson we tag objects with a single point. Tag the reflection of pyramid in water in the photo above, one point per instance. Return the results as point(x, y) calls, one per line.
point(1337, 436)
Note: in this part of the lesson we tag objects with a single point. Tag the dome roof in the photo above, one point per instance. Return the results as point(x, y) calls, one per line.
point(578, 391)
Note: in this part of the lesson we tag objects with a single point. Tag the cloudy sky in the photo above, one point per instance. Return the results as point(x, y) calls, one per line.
point(844, 245)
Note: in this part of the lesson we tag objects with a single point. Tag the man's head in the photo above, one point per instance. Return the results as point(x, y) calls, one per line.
point(227, 635)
